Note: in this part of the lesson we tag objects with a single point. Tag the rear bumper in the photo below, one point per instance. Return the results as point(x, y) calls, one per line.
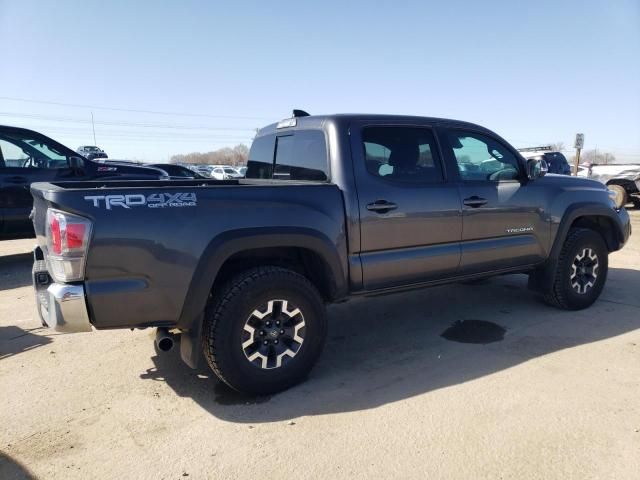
point(60, 306)
point(66, 310)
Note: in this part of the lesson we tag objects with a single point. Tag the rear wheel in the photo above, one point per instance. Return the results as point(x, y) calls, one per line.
point(621, 197)
point(581, 271)
point(265, 330)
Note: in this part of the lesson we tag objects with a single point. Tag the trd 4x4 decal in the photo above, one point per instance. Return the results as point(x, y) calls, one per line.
point(155, 200)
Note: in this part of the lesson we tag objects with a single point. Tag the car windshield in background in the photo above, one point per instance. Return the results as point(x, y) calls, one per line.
point(557, 163)
point(30, 152)
point(230, 171)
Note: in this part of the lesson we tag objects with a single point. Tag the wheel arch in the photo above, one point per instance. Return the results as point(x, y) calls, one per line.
point(304, 250)
point(595, 217)
point(628, 185)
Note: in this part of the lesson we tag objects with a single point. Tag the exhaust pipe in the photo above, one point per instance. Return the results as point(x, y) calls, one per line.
point(164, 340)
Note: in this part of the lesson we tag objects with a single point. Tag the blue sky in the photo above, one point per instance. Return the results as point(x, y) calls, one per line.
point(535, 72)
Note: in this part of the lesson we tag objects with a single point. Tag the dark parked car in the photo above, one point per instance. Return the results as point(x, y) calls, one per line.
point(177, 171)
point(244, 268)
point(27, 156)
point(91, 152)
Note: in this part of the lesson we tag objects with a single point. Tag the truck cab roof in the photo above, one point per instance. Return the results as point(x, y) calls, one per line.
point(340, 119)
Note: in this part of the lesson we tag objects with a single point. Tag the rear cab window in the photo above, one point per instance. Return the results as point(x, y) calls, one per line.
point(299, 155)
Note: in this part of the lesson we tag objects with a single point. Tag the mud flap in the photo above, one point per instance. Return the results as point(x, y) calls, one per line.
point(191, 343)
point(541, 279)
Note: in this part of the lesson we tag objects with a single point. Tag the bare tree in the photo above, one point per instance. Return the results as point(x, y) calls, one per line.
point(235, 156)
point(598, 157)
point(557, 146)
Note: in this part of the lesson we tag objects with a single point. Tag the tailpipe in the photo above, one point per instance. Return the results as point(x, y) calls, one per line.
point(164, 340)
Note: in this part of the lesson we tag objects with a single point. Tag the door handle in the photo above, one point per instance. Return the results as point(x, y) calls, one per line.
point(381, 206)
point(16, 180)
point(475, 201)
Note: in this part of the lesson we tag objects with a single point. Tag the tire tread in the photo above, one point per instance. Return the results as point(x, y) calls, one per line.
point(556, 296)
point(218, 305)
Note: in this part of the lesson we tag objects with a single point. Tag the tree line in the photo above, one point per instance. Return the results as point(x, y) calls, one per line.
point(591, 156)
point(235, 156)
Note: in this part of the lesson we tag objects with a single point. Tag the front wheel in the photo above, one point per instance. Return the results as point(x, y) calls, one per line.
point(581, 271)
point(264, 330)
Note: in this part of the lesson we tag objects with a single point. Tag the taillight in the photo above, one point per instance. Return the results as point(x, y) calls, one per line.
point(67, 242)
point(56, 243)
point(75, 235)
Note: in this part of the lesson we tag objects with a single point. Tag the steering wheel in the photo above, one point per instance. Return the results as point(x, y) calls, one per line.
point(508, 173)
point(34, 162)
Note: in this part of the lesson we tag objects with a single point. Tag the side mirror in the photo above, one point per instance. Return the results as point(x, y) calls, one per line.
point(536, 168)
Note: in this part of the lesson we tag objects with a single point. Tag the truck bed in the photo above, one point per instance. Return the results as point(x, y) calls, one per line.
point(154, 242)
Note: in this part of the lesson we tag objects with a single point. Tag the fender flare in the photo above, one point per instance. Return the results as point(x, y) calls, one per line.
point(541, 278)
point(224, 246)
point(576, 211)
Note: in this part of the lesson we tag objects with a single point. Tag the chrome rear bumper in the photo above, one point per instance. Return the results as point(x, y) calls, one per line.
point(60, 306)
point(67, 309)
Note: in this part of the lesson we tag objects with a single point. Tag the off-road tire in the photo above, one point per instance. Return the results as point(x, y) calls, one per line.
point(561, 293)
point(228, 312)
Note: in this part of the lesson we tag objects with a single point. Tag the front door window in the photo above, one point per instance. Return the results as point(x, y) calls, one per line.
point(481, 158)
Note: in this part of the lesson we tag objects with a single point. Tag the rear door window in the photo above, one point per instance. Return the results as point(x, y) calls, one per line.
point(402, 154)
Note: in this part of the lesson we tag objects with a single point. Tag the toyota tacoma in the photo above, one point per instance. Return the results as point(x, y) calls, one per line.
point(333, 207)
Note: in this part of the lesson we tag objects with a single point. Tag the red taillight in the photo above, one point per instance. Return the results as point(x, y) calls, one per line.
point(75, 235)
point(56, 239)
point(67, 242)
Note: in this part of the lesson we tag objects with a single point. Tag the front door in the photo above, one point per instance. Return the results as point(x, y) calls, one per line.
point(505, 224)
point(410, 219)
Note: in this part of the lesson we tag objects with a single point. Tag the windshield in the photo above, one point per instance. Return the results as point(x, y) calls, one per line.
point(48, 150)
point(28, 149)
point(231, 171)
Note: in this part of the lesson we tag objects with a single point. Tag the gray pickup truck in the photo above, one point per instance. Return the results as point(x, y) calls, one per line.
point(332, 207)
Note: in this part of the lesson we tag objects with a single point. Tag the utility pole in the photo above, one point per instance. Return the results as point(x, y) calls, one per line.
point(93, 125)
point(579, 143)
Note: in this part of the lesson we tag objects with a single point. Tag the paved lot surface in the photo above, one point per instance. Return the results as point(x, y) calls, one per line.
point(558, 397)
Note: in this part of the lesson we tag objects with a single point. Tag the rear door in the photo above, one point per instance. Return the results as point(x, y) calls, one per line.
point(25, 161)
point(410, 218)
point(505, 222)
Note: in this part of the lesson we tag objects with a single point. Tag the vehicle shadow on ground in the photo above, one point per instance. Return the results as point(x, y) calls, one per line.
point(11, 469)
point(15, 340)
point(15, 270)
point(386, 349)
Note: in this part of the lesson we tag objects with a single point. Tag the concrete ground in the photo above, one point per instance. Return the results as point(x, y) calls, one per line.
point(558, 397)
